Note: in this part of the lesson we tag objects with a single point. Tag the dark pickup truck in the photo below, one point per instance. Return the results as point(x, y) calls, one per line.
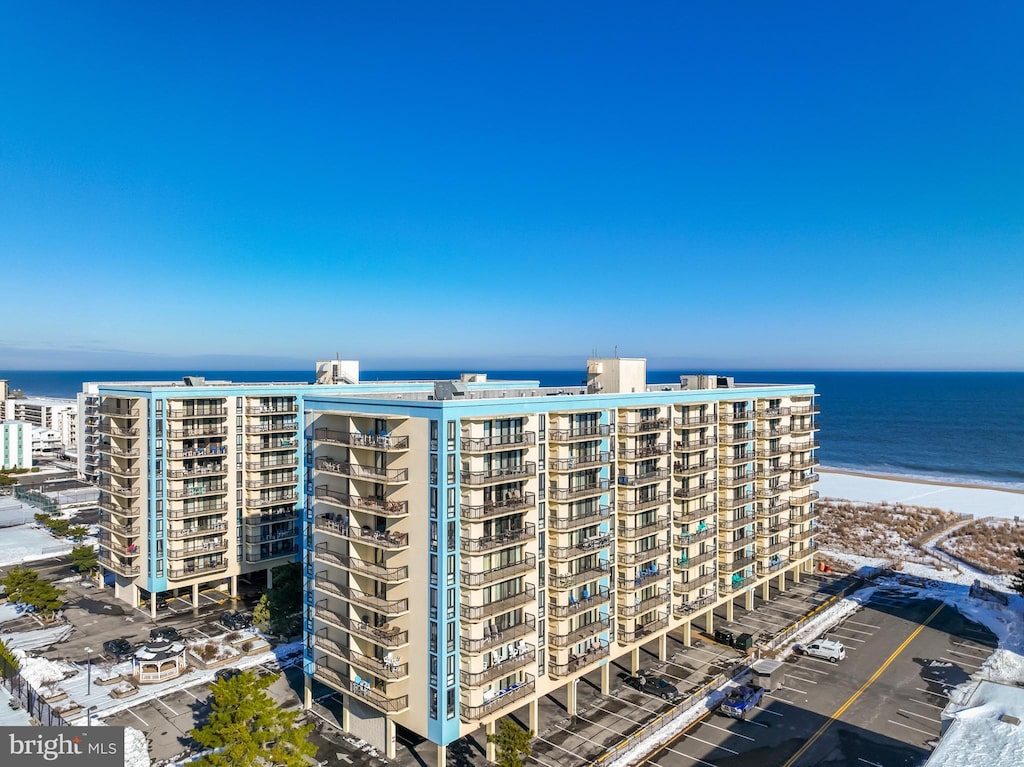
point(741, 700)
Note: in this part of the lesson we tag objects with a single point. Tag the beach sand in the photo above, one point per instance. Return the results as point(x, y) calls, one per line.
point(963, 498)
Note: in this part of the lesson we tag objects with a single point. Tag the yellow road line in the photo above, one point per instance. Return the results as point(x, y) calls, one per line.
point(881, 669)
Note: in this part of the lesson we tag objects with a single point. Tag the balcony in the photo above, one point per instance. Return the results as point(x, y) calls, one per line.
point(363, 692)
point(695, 491)
point(592, 656)
point(800, 447)
point(263, 446)
point(580, 462)
point(708, 419)
point(116, 431)
point(693, 515)
point(503, 699)
point(772, 452)
point(581, 575)
point(580, 433)
point(735, 416)
point(196, 570)
point(693, 445)
point(498, 607)
point(642, 478)
point(359, 566)
point(805, 463)
point(737, 458)
point(117, 412)
point(125, 491)
point(527, 564)
point(197, 491)
point(771, 567)
point(269, 427)
point(581, 549)
point(802, 482)
point(491, 509)
point(375, 666)
point(681, 588)
point(737, 564)
point(737, 543)
point(730, 437)
point(640, 453)
point(206, 430)
point(213, 547)
point(202, 470)
point(356, 471)
point(498, 442)
point(735, 583)
point(201, 411)
point(116, 470)
point(282, 408)
point(580, 491)
point(643, 579)
point(125, 531)
point(736, 522)
point(645, 605)
point(688, 539)
point(109, 449)
point(121, 568)
point(508, 538)
point(773, 412)
point(198, 530)
point(681, 469)
point(277, 462)
point(644, 630)
point(646, 555)
point(772, 529)
point(804, 515)
point(682, 609)
point(736, 501)
point(804, 427)
point(770, 472)
point(259, 520)
point(811, 409)
point(493, 636)
point(372, 504)
point(633, 507)
point(580, 633)
point(804, 499)
point(645, 425)
point(381, 539)
point(643, 530)
point(266, 552)
point(392, 608)
point(736, 479)
point(772, 491)
point(499, 474)
point(587, 602)
point(685, 562)
point(778, 431)
point(206, 507)
point(804, 535)
point(357, 439)
point(259, 484)
point(773, 548)
point(383, 636)
point(522, 658)
point(582, 518)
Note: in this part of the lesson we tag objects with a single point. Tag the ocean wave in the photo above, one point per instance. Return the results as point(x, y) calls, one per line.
point(931, 475)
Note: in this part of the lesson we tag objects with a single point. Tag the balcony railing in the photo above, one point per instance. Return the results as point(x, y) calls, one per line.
point(693, 469)
point(806, 463)
point(203, 411)
point(687, 539)
point(198, 452)
point(522, 658)
point(736, 501)
point(378, 572)
point(259, 520)
point(632, 532)
point(737, 564)
point(206, 507)
point(580, 633)
point(499, 474)
point(210, 430)
point(766, 530)
point(510, 537)
point(491, 509)
point(737, 543)
point(772, 452)
point(121, 568)
point(195, 491)
point(192, 571)
point(692, 515)
point(766, 471)
point(645, 425)
point(737, 479)
point(392, 607)
point(772, 491)
point(283, 443)
point(586, 602)
point(806, 515)
point(802, 482)
point(809, 444)
point(632, 507)
point(580, 573)
point(707, 419)
point(732, 416)
point(593, 655)
point(389, 636)
point(358, 439)
point(363, 692)
point(496, 574)
point(213, 547)
point(114, 450)
point(581, 549)
point(118, 471)
point(804, 410)
point(804, 535)
point(499, 606)
point(644, 605)
point(503, 699)
point(278, 462)
point(801, 427)
point(583, 432)
point(376, 666)
point(125, 491)
point(692, 605)
point(195, 532)
point(372, 504)
point(641, 580)
point(692, 445)
point(381, 539)
point(695, 491)
point(773, 412)
point(778, 431)
point(202, 470)
point(116, 431)
point(737, 458)
point(259, 484)
point(642, 478)
point(693, 584)
point(577, 463)
point(649, 451)
point(118, 412)
point(773, 548)
point(579, 491)
point(682, 562)
point(271, 426)
point(498, 442)
point(125, 531)
point(493, 636)
point(805, 498)
point(356, 471)
point(581, 518)
point(647, 629)
point(736, 522)
point(270, 409)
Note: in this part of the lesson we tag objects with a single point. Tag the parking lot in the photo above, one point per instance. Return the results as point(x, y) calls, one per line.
point(880, 706)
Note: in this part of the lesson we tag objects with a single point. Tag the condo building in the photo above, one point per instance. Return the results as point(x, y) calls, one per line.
point(467, 546)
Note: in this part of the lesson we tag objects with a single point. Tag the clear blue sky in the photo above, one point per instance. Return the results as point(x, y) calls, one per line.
point(771, 185)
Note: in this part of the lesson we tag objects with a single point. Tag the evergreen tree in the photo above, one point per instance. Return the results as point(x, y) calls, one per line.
point(84, 558)
point(246, 728)
point(261, 613)
point(285, 600)
point(513, 744)
point(1017, 583)
point(7, 660)
point(23, 585)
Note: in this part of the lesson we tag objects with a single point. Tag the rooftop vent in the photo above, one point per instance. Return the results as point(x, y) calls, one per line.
point(444, 390)
point(194, 380)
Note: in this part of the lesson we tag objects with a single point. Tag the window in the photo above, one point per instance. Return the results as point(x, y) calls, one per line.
point(433, 570)
point(451, 704)
point(433, 636)
point(433, 502)
point(433, 675)
point(451, 671)
point(433, 604)
point(433, 699)
point(450, 575)
point(433, 536)
point(450, 539)
point(451, 435)
point(451, 606)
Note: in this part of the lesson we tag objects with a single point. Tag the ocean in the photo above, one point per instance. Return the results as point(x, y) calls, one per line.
point(960, 427)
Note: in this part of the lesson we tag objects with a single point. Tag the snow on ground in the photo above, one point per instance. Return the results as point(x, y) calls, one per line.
point(977, 736)
point(24, 543)
point(10, 717)
point(981, 502)
point(136, 748)
point(39, 639)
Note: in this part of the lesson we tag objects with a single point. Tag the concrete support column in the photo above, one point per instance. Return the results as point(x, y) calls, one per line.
point(270, 585)
point(534, 723)
point(606, 680)
point(152, 606)
point(233, 587)
point(101, 581)
point(796, 575)
point(390, 738)
point(442, 755)
point(729, 609)
point(492, 749)
point(307, 692)
point(663, 647)
point(709, 621)
point(346, 725)
point(686, 634)
point(766, 589)
point(570, 702)
point(748, 600)
point(782, 582)
point(195, 596)
point(634, 660)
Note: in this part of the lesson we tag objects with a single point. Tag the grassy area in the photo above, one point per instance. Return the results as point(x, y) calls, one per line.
point(875, 529)
point(988, 544)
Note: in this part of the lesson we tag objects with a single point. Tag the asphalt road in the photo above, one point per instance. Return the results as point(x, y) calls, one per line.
point(878, 708)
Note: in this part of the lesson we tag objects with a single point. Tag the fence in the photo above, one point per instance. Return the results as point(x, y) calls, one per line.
point(26, 695)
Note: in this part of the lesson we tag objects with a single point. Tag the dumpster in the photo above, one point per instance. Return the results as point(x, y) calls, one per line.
point(725, 636)
point(768, 674)
point(744, 642)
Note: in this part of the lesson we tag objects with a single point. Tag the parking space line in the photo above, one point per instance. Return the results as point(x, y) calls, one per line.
point(932, 692)
point(873, 764)
point(920, 716)
point(144, 722)
point(192, 694)
point(843, 627)
point(680, 753)
point(861, 623)
point(815, 670)
point(984, 650)
point(923, 703)
point(900, 724)
point(567, 732)
point(707, 723)
point(800, 692)
point(800, 678)
point(960, 662)
point(846, 638)
point(966, 655)
point(769, 711)
point(161, 702)
point(709, 743)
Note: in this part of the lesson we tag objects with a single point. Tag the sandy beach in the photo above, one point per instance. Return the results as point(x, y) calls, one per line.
point(979, 500)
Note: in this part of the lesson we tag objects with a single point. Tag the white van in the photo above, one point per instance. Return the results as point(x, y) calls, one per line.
point(829, 649)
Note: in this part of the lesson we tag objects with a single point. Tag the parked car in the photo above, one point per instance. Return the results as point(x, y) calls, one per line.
point(236, 621)
point(739, 702)
point(829, 649)
point(653, 685)
point(226, 673)
point(166, 634)
point(119, 649)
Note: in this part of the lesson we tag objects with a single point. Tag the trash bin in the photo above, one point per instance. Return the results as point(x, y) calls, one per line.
point(744, 642)
point(768, 674)
point(725, 636)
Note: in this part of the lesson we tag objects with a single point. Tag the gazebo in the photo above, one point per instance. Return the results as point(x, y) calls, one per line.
point(158, 662)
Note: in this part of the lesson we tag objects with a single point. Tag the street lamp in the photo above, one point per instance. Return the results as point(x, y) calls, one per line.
point(89, 714)
point(88, 655)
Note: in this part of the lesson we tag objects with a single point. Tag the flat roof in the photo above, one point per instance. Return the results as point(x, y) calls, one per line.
point(979, 733)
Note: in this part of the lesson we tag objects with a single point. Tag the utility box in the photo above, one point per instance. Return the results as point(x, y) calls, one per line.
point(725, 636)
point(768, 674)
point(744, 642)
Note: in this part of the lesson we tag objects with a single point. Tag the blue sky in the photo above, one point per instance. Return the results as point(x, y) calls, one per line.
point(762, 185)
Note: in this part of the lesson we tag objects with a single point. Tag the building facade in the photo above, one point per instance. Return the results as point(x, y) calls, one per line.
point(469, 550)
point(15, 445)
